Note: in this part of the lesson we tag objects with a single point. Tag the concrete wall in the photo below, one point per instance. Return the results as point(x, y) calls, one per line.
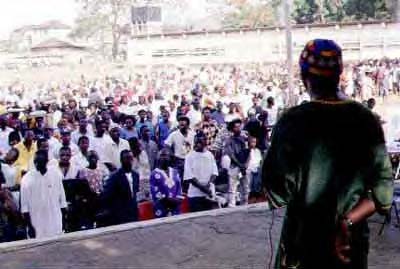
point(262, 45)
point(226, 238)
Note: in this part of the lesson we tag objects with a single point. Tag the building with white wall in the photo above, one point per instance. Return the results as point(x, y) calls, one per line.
point(24, 38)
point(359, 41)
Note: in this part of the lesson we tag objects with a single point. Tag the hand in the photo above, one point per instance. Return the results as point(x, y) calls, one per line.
point(207, 189)
point(342, 243)
point(31, 231)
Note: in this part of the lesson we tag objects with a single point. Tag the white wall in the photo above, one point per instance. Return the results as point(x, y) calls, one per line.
point(368, 41)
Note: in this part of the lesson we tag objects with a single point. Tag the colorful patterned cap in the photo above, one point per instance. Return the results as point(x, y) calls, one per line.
point(322, 57)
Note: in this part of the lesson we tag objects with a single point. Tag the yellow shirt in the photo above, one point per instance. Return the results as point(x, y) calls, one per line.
point(24, 159)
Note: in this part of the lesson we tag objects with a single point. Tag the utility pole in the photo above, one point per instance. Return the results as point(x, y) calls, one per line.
point(289, 50)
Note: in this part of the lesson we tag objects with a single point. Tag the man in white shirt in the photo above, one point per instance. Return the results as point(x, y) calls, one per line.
point(53, 142)
point(4, 133)
point(200, 171)
point(80, 160)
point(272, 111)
point(181, 143)
point(84, 130)
point(116, 147)
point(101, 143)
point(194, 114)
point(68, 169)
point(43, 200)
point(65, 142)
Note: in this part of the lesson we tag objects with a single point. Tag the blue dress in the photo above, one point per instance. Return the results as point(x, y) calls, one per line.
point(165, 186)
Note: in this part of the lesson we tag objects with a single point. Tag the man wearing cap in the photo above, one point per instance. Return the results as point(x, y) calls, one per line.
point(38, 122)
point(329, 166)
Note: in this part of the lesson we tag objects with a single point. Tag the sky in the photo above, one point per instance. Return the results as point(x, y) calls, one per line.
point(16, 13)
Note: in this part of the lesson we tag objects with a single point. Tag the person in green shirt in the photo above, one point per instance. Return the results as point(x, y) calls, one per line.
point(328, 165)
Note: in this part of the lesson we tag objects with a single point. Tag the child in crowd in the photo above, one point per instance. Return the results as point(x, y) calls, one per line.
point(253, 168)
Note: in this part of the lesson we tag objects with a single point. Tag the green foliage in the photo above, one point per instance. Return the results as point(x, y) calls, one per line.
point(102, 16)
point(321, 11)
point(249, 15)
point(366, 10)
point(305, 11)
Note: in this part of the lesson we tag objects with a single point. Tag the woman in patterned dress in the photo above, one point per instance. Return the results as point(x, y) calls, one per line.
point(165, 187)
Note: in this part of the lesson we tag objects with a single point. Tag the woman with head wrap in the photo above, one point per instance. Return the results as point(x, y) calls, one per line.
point(328, 165)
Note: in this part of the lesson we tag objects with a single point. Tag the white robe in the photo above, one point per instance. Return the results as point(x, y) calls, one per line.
point(43, 196)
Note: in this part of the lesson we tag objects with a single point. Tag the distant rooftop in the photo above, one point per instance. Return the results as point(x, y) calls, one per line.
point(54, 43)
point(53, 24)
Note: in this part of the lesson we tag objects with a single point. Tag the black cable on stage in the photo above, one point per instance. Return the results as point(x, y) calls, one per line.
point(271, 245)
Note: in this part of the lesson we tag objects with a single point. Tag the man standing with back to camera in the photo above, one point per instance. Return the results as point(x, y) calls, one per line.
point(329, 166)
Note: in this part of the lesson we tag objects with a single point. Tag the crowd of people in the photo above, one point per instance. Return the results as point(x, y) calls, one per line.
point(88, 153)
point(372, 78)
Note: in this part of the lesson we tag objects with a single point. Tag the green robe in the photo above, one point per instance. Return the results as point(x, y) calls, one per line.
point(325, 157)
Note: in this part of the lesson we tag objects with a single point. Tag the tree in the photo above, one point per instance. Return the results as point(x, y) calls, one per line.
point(247, 13)
point(99, 17)
point(335, 11)
point(374, 9)
point(322, 11)
point(305, 11)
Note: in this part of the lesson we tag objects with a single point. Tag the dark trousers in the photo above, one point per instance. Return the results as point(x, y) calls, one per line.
point(198, 204)
point(179, 165)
